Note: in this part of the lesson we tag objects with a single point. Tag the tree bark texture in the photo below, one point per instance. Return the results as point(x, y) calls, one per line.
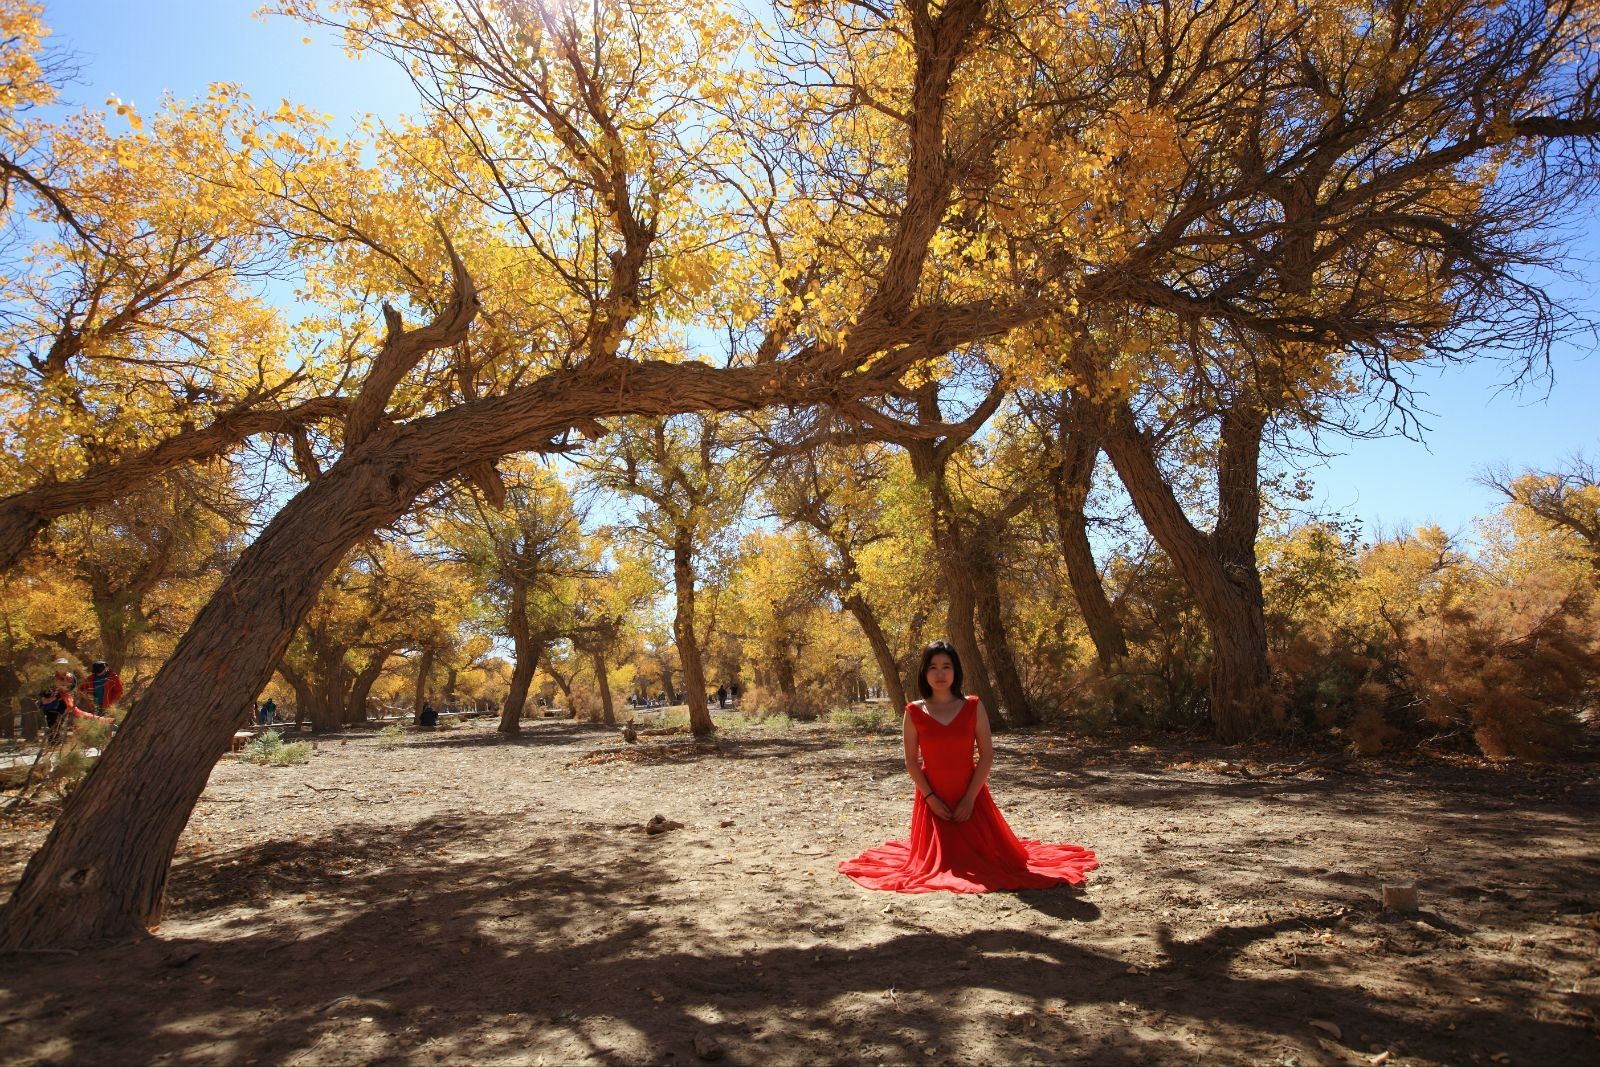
point(602, 681)
point(103, 870)
point(683, 633)
point(1218, 568)
point(867, 619)
point(361, 686)
point(1073, 478)
point(991, 623)
point(527, 660)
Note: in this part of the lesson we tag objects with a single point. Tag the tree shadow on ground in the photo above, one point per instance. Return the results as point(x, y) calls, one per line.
point(428, 942)
point(464, 937)
point(550, 733)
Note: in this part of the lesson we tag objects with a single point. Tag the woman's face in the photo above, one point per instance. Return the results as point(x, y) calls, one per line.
point(941, 673)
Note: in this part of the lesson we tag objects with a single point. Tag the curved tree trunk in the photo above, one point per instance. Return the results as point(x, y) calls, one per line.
point(103, 870)
point(419, 691)
point(694, 678)
point(1074, 477)
point(1219, 568)
point(527, 654)
point(1019, 710)
point(356, 703)
point(858, 607)
point(564, 683)
point(602, 681)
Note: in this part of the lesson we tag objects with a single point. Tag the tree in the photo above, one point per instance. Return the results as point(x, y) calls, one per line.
point(1307, 203)
point(527, 554)
point(145, 562)
point(968, 520)
point(1565, 500)
point(386, 598)
point(136, 334)
point(834, 494)
point(614, 589)
point(691, 486)
point(615, 188)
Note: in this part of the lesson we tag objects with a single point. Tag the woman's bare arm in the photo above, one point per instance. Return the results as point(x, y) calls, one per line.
point(980, 773)
point(914, 769)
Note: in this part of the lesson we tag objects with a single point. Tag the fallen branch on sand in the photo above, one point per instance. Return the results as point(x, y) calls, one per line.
point(1337, 764)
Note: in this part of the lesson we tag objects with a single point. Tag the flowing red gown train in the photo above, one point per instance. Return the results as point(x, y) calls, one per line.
point(976, 856)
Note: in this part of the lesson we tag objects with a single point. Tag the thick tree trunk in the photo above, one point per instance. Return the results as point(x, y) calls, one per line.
point(1019, 710)
point(103, 870)
point(328, 690)
point(419, 692)
point(857, 605)
point(1074, 477)
point(783, 671)
point(602, 681)
point(1219, 568)
point(694, 678)
point(527, 652)
point(962, 600)
point(304, 698)
point(356, 704)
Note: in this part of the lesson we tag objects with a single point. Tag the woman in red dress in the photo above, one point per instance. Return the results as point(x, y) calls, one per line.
point(959, 840)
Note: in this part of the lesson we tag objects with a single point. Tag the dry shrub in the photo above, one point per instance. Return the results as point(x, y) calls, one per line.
point(1331, 683)
point(586, 703)
point(1513, 667)
point(802, 705)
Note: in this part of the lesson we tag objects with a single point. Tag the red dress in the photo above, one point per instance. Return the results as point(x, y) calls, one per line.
point(975, 856)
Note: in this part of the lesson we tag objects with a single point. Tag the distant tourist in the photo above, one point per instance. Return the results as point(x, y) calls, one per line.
point(267, 713)
point(722, 696)
point(428, 717)
point(102, 688)
point(52, 705)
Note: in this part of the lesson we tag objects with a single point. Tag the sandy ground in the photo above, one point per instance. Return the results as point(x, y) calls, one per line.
point(459, 898)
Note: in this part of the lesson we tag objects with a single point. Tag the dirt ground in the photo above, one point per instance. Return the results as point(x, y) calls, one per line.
point(459, 898)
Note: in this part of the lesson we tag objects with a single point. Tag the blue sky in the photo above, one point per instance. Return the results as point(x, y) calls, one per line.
point(137, 51)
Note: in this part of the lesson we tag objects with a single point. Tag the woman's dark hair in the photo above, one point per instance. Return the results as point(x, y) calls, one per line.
point(934, 649)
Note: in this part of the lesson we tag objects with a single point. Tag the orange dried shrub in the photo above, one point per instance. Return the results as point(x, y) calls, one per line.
point(1370, 729)
point(1511, 666)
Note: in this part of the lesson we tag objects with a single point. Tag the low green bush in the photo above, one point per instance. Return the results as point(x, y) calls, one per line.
point(269, 750)
point(865, 719)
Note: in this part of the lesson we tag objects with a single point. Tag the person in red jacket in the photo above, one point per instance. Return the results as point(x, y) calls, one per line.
point(102, 688)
